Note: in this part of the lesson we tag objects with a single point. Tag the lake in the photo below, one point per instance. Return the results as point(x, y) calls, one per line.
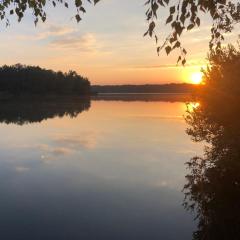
point(106, 168)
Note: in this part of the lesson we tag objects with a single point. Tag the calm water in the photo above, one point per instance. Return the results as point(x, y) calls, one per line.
point(101, 170)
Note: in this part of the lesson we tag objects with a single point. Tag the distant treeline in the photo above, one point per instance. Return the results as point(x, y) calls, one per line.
point(148, 88)
point(22, 79)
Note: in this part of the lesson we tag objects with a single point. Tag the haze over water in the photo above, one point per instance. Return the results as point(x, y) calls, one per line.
point(114, 171)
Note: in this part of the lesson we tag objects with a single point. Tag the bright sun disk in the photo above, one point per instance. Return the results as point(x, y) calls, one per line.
point(196, 77)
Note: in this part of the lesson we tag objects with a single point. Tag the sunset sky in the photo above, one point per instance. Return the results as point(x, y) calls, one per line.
point(107, 46)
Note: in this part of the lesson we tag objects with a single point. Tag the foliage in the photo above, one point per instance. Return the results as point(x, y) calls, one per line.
point(19, 8)
point(21, 79)
point(213, 183)
point(184, 15)
point(222, 74)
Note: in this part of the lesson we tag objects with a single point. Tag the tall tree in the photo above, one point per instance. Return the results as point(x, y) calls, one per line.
point(212, 189)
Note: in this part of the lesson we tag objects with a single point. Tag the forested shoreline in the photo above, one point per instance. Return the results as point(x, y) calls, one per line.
point(20, 79)
point(146, 88)
point(23, 80)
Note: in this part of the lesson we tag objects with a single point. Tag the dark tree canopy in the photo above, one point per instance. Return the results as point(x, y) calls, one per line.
point(212, 186)
point(184, 15)
point(213, 183)
point(21, 79)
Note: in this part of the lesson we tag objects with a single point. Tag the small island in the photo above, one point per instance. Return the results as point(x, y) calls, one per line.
point(18, 80)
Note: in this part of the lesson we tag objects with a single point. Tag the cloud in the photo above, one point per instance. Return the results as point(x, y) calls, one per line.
point(157, 66)
point(55, 30)
point(55, 151)
point(22, 169)
point(66, 145)
point(61, 146)
point(61, 151)
point(68, 38)
point(205, 29)
point(84, 43)
point(48, 32)
point(169, 66)
point(163, 117)
point(87, 140)
point(51, 153)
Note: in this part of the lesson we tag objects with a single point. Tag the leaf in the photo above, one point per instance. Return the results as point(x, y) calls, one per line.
point(78, 18)
point(78, 3)
point(96, 1)
point(82, 9)
point(166, 1)
point(177, 45)
point(169, 19)
point(179, 59)
point(172, 10)
point(198, 21)
point(182, 18)
point(172, 39)
point(168, 49)
point(151, 28)
point(190, 26)
point(161, 3)
point(146, 33)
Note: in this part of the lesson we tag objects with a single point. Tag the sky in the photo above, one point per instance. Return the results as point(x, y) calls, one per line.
point(107, 46)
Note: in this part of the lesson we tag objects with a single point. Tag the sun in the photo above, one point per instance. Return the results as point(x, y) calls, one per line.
point(196, 78)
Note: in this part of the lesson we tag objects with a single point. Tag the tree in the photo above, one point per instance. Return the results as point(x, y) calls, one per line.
point(222, 75)
point(184, 15)
point(212, 189)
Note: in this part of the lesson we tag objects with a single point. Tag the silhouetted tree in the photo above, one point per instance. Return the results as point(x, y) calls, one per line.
point(21, 79)
point(212, 190)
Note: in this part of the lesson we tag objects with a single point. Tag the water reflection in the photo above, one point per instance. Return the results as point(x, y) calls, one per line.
point(113, 172)
point(213, 184)
point(144, 97)
point(30, 110)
